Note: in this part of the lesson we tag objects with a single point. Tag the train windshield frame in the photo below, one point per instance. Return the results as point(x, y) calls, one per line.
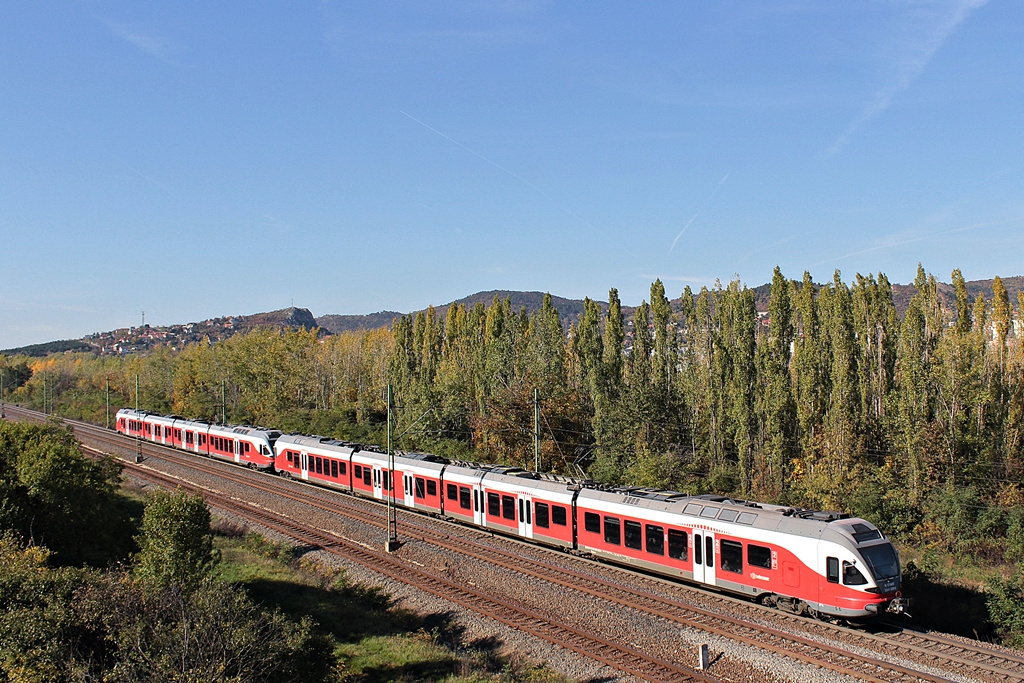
point(882, 560)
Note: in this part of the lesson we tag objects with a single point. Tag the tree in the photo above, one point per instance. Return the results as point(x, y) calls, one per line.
point(52, 495)
point(175, 543)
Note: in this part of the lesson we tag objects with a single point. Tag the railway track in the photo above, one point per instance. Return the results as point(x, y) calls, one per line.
point(841, 650)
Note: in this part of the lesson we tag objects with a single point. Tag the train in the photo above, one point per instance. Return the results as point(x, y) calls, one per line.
point(828, 565)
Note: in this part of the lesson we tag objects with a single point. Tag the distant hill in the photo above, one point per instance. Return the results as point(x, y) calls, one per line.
point(40, 350)
point(142, 339)
point(284, 318)
point(336, 324)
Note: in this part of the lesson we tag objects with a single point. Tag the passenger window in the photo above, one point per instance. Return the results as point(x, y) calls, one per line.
point(358, 470)
point(655, 539)
point(367, 474)
point(612, 532)
point(732, 556)
point(341, 468)
point(558, 515)
point(318, 465)
point(634, 535)
point(832, 570)
point(334, 469)
point(464, 498)
point(592, 522)
point(540, 511)
point(493, 505)
point(453, 492)
point(759, 556)
point(431, 487)
point(421, 488)
point(508, 507)
point(678, 545)
point(852, 575)
point(698, 549)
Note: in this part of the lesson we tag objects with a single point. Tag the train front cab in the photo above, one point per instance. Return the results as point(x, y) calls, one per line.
point(859, 572)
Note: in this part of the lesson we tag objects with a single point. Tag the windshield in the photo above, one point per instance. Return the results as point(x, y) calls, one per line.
point(882, 561)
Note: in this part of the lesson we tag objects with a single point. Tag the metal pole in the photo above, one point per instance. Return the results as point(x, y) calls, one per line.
point(108, 403)
point(223, 404)
point(392, 543)
point(536, 430)
point(44, 392)
point(3, 414)
point(138, 434)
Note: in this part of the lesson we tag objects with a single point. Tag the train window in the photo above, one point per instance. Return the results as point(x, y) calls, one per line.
point(655, 539)
point(709, 551)
point(508, 507)
point(522, 512)
point(592, 522)
point(692, 509)
point(529, 519)
point(464, 498)
point(634, 535)
point(678, 544)
point(318, 465)
point(388, 479)
point(341, 468)
point(731, 554)
point(709, 512)
point(493, 505)
point(832, 569)
point(421, 488)
point(540, 513)
point(452, 492)
point(728, 515)
point(288, 454)
point(852, 575)
point(358, 471)
point(558, 515)
point(367, 474)
point(247, 446)
point(334, 468)
point(759, 556)
point(431, 488)
point(612, 532)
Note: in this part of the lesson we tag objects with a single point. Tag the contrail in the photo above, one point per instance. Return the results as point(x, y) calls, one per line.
point(499, 167)
point(701, 208)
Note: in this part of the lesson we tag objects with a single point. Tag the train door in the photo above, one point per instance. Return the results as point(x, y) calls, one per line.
point(304, 466)
point(704, 556)
point(479, 505)
point(408, 488)
point(525, 516)
point(238, 450)
point(381, 485)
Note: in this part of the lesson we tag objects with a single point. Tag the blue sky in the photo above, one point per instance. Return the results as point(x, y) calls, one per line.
point(206, 159)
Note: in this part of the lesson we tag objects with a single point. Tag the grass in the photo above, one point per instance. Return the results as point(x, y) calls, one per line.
point(374, 639)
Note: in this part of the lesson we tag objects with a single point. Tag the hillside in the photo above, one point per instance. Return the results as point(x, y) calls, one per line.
point(142, 339)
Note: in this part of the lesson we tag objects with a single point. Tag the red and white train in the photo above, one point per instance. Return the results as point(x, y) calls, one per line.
point(824, 564)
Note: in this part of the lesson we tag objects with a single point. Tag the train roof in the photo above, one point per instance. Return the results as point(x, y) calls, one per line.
point(714, 508)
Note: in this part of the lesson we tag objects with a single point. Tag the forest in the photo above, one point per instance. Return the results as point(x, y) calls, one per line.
point(832, 400)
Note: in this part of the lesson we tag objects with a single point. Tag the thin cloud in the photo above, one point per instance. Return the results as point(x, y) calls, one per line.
point(154, 46)
point(699, 210)
point(897, 240)
point(919, 53)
